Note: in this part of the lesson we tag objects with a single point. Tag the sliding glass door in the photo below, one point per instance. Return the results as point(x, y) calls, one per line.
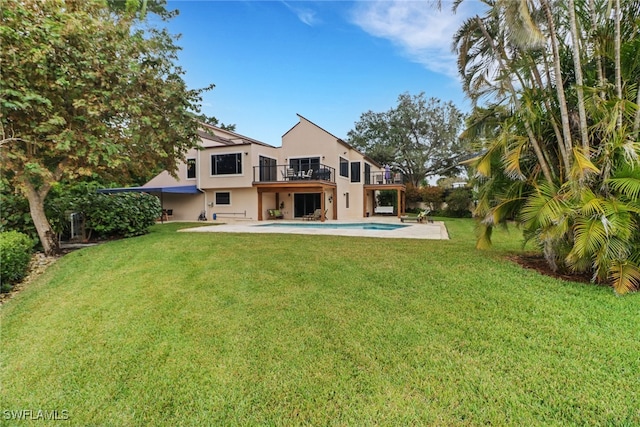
point(305, 204)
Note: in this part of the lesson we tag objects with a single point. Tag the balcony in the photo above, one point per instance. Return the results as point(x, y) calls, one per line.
point(384, 178)
point(286, 174)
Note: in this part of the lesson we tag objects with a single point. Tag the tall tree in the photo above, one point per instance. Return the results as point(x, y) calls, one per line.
point(419, 137)
point(87, 88)
point(587, 216)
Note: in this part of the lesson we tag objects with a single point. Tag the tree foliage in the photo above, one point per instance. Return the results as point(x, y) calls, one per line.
point(560, 128)
point(419, 137)
point(88, 89)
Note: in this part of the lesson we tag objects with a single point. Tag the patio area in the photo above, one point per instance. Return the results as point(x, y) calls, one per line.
point(433, 231)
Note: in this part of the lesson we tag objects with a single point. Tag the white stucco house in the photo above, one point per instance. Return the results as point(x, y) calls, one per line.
point(234, 176)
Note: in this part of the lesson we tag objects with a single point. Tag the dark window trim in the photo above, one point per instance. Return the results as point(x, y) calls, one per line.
point(213, 164)
point(195, 168)
point(356, 172)
point(215, 198)
point(344, 163)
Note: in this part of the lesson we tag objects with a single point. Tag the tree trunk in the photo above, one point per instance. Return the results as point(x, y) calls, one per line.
point(617, 43)
point(36, 208)
point(577, 66)
point(562, 100)
point(596, 46)
point(500, 54)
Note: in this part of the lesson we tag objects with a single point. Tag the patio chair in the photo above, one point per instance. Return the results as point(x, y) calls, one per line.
point(275, 214)
point(422, 216)
point(316, 215)
point(309, 174)
point(291, 173)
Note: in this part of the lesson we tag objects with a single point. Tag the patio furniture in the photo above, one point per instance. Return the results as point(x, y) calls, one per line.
point(309, 174)
point(383, 210)
point(422, 217)
point(275, 214)
point(316, 215)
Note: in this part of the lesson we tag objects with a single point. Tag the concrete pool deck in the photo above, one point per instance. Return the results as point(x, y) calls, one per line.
point(433, 231)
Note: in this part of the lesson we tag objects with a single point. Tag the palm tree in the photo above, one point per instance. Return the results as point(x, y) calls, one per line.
point(577, 201)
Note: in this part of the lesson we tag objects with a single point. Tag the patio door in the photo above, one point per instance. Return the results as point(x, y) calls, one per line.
point(305, 204)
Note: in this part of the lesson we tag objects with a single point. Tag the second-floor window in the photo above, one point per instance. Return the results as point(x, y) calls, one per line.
point(344, 167)
point(355, 171)
point(226, 164)
point(191, 168)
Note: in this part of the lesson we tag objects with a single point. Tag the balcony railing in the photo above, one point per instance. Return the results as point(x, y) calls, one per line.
point(286, 173)
point(384, 177)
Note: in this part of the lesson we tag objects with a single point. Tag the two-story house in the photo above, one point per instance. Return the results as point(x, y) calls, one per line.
point(234, 176)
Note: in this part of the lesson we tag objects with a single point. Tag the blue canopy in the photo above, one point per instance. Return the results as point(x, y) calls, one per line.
point(184, 189)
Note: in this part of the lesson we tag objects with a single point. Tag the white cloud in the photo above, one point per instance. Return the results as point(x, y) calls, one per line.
point(422, 32)
point(304, 14)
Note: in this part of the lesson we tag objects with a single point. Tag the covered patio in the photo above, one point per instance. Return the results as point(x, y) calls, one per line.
point(297, 187)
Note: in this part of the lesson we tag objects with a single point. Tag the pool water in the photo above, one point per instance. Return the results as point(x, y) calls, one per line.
point(342, 226)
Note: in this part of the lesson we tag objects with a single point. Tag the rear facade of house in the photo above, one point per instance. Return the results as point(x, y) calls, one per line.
point(239, 177)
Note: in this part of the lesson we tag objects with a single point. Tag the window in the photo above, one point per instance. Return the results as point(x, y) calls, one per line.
point(191, 168)
point(304, 164)
point(226, 164)
point(355, 172)
point(223, 198)
point(268, 169)
point(344, 167)
point(367, 173)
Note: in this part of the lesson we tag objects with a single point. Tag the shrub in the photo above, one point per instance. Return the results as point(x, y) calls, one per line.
point(459, 202)
point(15, 254)
point(120, 214)
point(433, 196)
point(15, 212)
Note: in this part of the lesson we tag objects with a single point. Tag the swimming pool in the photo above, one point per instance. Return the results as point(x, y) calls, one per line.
point(336, 226)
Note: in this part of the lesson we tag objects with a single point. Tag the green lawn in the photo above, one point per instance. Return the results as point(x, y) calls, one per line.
point(245, 329)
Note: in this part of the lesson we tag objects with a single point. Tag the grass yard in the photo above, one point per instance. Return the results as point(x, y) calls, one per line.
point(236, 329)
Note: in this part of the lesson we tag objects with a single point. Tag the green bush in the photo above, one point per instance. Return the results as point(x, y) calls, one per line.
point(120, 214)
point(459, 203)
point(15, 212)
point(15, 254)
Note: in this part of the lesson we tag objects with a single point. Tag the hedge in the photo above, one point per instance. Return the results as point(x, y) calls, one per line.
point(15, 254)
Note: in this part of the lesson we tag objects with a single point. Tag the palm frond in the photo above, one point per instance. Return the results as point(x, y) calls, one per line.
point(582, 166)
point(627, 185)
point(590, 234)
point(544, 207)
point(624, 276)
point(484, 236)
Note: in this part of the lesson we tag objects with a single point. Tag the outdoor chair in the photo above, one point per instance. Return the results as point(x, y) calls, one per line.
point(316, 215)
point(422, 216)
point(309, 174)
point(275, 214)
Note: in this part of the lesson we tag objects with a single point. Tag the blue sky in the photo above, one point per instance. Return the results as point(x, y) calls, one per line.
point(329, 61)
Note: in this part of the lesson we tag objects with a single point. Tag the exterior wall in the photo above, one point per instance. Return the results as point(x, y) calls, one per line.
point(244, 203)
point(186, 207)
point(304, 140)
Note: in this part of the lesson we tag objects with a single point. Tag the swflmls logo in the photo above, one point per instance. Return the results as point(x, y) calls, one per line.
point(31, 415)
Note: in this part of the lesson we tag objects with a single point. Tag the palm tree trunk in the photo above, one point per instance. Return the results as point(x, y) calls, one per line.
point(554, 124)
point(617, 43)
point(532, 138)
point(562, 101)
point(636, 122)
point(596, 47)
point(584, 135)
